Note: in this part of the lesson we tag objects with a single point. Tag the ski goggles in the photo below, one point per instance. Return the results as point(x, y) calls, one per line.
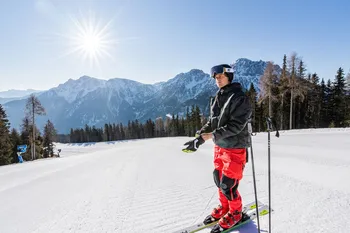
point(219, 70)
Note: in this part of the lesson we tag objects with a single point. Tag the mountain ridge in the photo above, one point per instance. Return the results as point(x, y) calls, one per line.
point(92, 101)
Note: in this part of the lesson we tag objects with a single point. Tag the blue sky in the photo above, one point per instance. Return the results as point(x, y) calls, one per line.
point(157, 39)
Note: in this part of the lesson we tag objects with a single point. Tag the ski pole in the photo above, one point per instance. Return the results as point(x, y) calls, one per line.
point(254, 180)
point(269, 128)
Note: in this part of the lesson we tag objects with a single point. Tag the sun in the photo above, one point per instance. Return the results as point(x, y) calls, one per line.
point(90, 39)
point(91, 44)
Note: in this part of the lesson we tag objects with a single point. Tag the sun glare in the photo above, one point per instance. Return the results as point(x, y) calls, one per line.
point(90, 39)
point(91, 44)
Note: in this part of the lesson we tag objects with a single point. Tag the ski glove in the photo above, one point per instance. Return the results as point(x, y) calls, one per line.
point(193, 145)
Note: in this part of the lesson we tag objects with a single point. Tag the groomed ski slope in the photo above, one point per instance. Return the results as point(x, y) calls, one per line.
point(152, 186)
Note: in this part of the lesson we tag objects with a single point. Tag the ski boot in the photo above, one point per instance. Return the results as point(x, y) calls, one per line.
point(216, 214)
point(226, 222)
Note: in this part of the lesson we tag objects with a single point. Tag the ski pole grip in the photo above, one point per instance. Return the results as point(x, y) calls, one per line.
point(250, 130)
point(269, 123)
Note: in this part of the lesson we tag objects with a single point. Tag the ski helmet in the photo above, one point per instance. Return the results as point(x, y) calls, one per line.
point(225, 69)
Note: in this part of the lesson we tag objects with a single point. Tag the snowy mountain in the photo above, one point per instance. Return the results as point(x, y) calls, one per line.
point(17, 93)
point(93, 101)
point(76, 89)
point(247, 71)
point(10, 95)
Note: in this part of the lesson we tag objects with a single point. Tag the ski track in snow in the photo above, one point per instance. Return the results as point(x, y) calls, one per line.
point(151, 186)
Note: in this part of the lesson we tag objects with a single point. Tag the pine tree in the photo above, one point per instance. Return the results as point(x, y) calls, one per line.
point(307, 107)
point(192, 119)
point(16, 141)
point(100, 135)
point(330, 103)
point(137, 129)
point(150, 129)
point(301, 69)
point(26, 137)
point(39, 145)
point(292, 81)
point(5, 141)
point(34, 107)
point(196, 119)
point(301, 93)
point(128, 131)
point(142, 130)
point(72, 136)
point(177, 123)
point(339, 99)
point(122, 132)
point(182, 127)
point(188, 122)
point(323, 105)
point(49, 137)
point(153, 128)
point(348, 100)
point(114, 132)
point(348, 84)
point(314, 102)
point(117, 133)
point(106, 134)
point(111, 132)
point(283, 90)
point(94, 134)
point(252, 94)
point(261, 116)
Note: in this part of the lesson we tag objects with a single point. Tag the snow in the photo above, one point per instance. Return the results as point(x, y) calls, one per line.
point(150, 185)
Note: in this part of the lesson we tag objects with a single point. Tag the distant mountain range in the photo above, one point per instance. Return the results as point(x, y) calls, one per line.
point(93, 101)
point(10, 95)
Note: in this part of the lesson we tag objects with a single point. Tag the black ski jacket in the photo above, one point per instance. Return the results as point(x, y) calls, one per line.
point(230, 112)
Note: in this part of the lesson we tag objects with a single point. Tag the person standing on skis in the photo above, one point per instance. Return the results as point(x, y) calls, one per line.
point(228, 128)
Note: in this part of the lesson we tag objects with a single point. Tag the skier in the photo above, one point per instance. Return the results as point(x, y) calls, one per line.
point(227, 127)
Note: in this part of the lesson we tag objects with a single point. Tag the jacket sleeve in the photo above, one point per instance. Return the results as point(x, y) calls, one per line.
point(240, 112)
point(206, 128)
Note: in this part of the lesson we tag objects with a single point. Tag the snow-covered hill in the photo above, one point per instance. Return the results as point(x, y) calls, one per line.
point(152, 186)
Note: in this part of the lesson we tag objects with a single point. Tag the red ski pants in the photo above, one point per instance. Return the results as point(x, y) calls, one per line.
point(229, 165)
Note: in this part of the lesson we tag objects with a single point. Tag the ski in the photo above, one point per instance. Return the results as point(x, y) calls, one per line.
point(199, 226)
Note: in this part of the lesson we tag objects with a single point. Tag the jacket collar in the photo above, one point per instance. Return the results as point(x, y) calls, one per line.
point(232, 87)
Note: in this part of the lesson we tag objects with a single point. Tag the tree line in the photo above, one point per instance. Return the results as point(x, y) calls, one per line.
point(170, 127)
point(298, 100)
